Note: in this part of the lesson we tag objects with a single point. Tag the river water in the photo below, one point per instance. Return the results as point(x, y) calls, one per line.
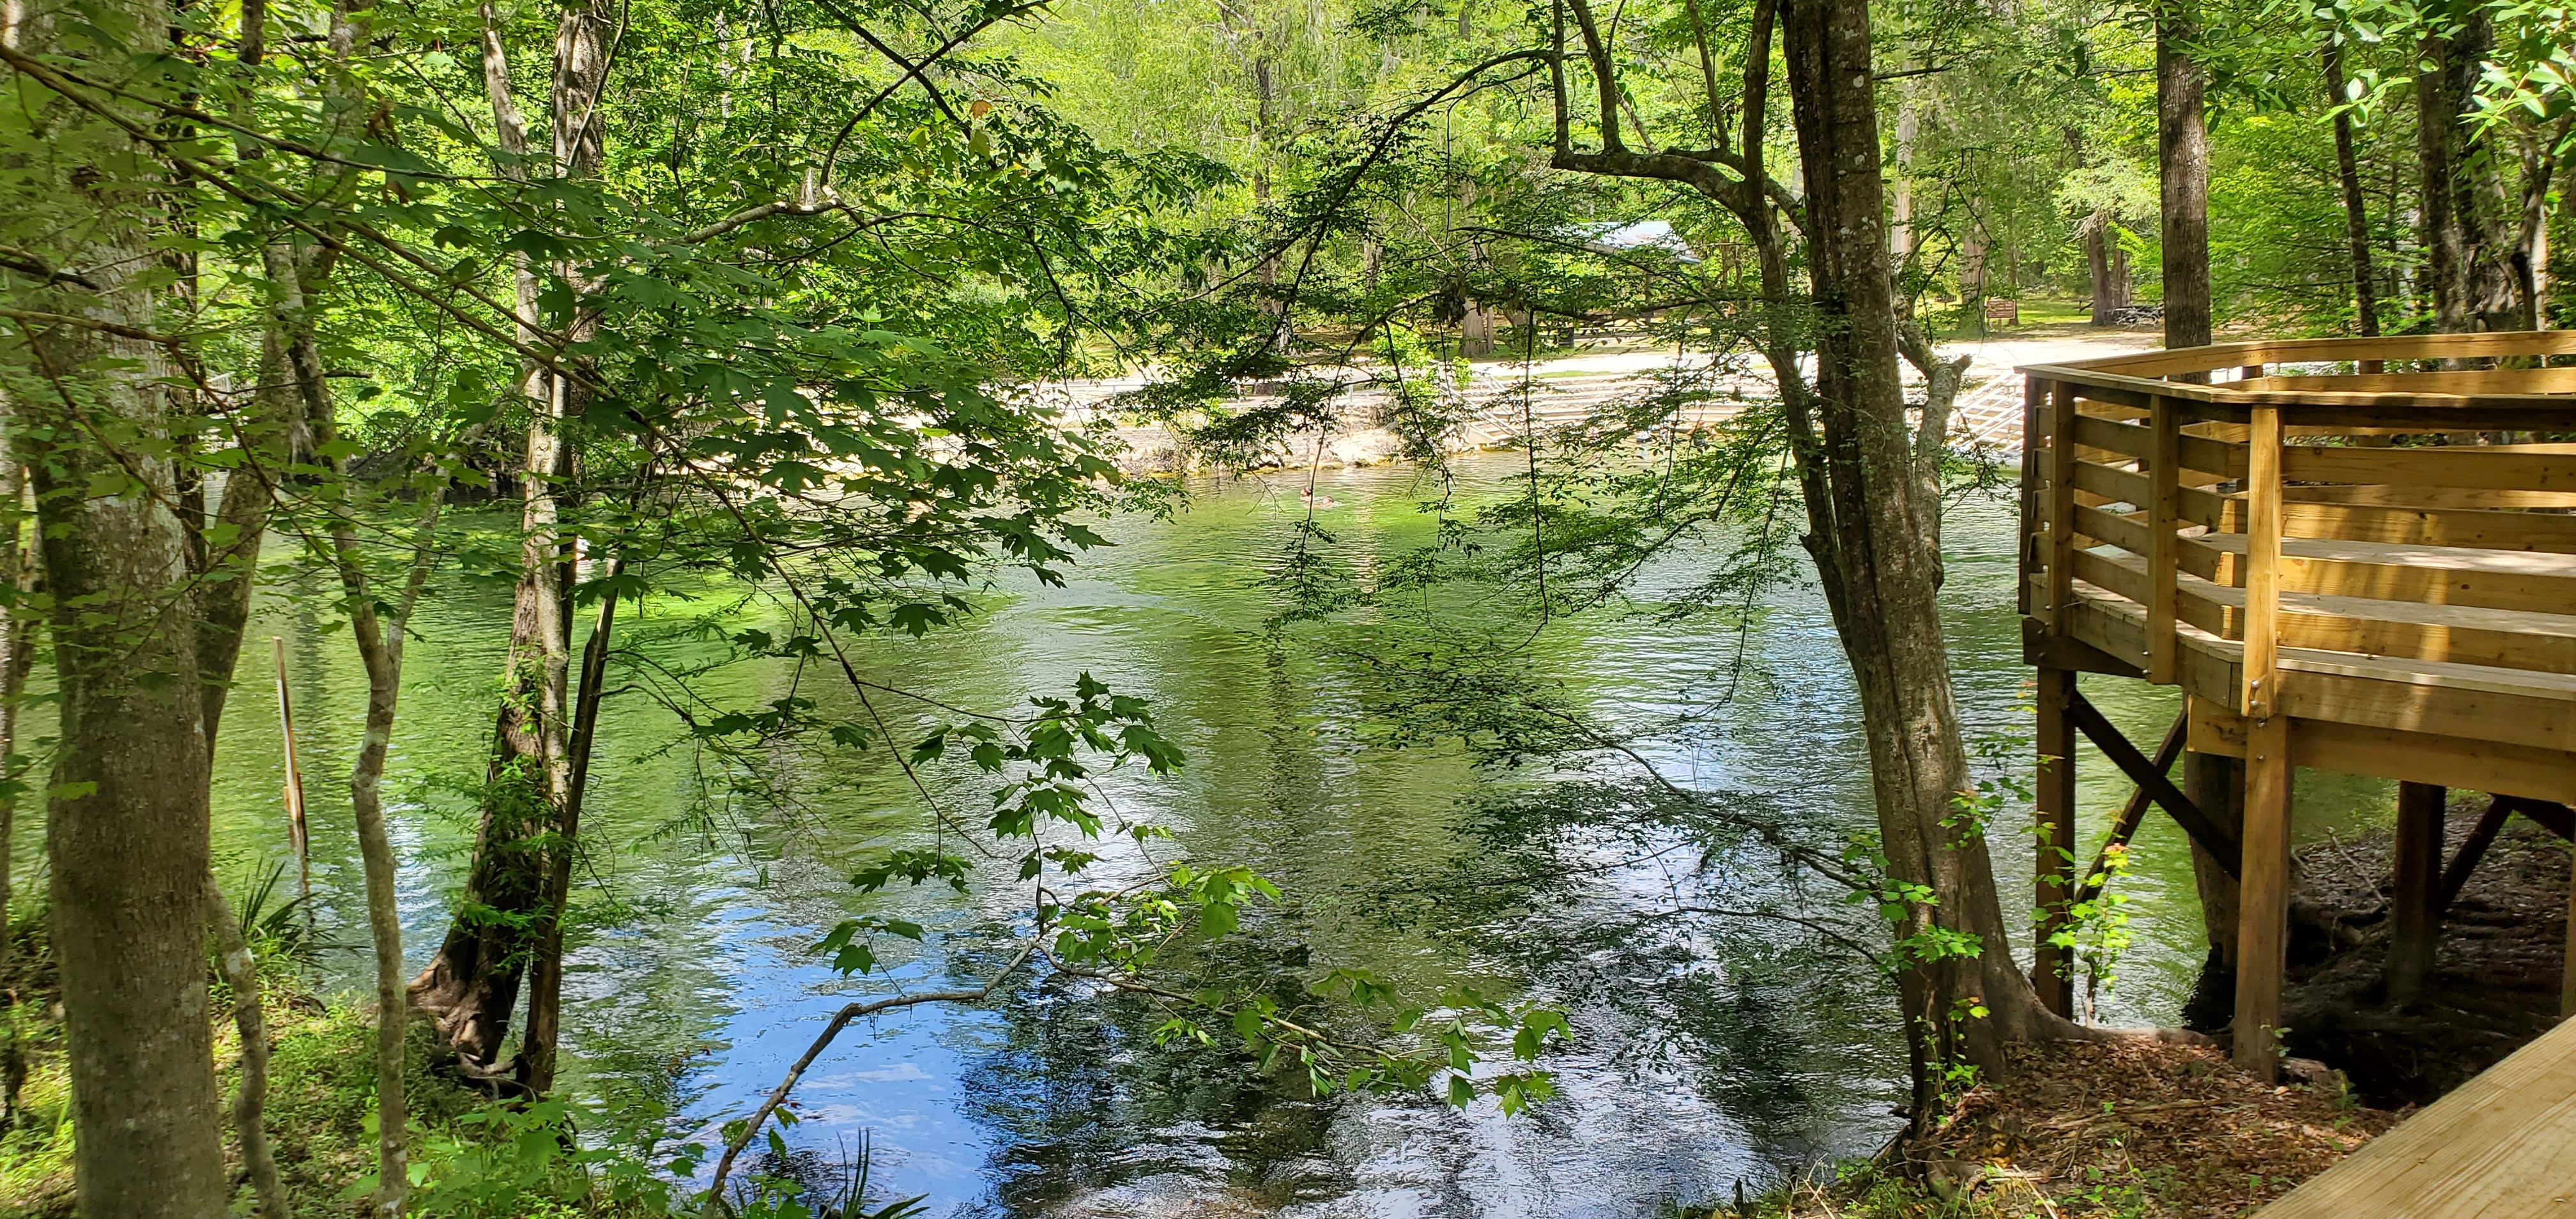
point(1710, 1050)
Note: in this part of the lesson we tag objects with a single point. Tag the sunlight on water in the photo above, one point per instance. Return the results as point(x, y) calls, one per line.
point(692, 984)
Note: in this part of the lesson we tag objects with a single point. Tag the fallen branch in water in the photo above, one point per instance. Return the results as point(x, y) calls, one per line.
point(841, 1020)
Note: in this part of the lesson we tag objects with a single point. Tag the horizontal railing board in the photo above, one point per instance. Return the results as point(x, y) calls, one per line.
point(2536, 581)
point(2464, 467)
point(2485, 529)
point(2217, 356)
point(2464, 382)
point(2474, 635)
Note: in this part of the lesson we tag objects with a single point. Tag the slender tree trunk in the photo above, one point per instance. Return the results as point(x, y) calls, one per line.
point(17, 660)
point(2097, 261)
point(1880, 574)
point(2356, 208)
point(2182, 163)
point(472, 985)
point(127, 830)
point(250, 1094)
point(537, 1058)
point(2446, 244)
point(380, 648)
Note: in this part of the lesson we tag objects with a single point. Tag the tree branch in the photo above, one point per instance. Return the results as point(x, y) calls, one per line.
point(822, 1042)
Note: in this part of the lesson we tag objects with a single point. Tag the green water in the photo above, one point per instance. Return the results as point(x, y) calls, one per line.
point(1710, 1050)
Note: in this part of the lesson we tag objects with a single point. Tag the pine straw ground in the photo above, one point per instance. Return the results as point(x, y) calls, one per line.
point(2133, 1128)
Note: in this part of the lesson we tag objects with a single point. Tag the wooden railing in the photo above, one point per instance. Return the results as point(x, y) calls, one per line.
point(2209, 496)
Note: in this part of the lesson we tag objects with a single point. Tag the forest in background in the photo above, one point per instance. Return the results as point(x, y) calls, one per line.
point(307, 295)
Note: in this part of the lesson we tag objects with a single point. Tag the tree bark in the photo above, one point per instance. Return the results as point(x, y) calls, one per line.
point(2097, 263)
point(2182, 163)
point(380, 649)
point(250, 1094)
point(2356, 207)
point(2468, 252)
point(1880, 574)
point(127, 830)
point(538, 1055)
point(472, 985)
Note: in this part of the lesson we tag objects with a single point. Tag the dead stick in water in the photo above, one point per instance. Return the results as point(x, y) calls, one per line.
point(295, 826)
point(841, 1020)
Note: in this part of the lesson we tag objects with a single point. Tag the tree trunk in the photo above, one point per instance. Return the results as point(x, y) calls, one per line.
point(472, 985)
point(2356, 208)
point(2465, 233)
point(17, 660)
point(380, 649)
point(250, 1095)
point(2182, 164)
point(1880, 575)
point(127, 829)
point(537, 1058)
point(2097, 260)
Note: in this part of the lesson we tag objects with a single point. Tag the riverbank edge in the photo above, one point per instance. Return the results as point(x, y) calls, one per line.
point(2134, 1127)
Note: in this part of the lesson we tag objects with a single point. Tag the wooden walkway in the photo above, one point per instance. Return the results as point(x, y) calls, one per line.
point(2503, 1146)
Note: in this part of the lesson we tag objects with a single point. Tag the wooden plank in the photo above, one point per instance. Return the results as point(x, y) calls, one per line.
point(2473, 765)
point(2039, 649)
point(2464, 382)
point(2113, 485)
point(2547, 814)
point(2401, 413)
point(2105, 573)
point(2470, 635)
point(2054, 806)
point(2263, 901)
point(2434, 497)
point(2466, 467)
point(2217, 459)
point(2413, 696)
point(2497, 1147)
point(2319, 351)
point(2117, 628)
point(2484, 529)
point(2034, 393)
point(2164, 511)
point(2464, 865)
point(2415, 906)
point(2126, 439)
point(2262, 563)
point(2123, 531)
point(2106, 737)
point(2528, 580)
point(2134, 810)
point(2061, 503)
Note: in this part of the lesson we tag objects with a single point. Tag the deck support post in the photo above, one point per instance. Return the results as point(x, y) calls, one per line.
point(2054, 807)
point(2216, 782)
point(2416, 920)
point(2567, 971)
point(2263, 897)
point(2263, 869)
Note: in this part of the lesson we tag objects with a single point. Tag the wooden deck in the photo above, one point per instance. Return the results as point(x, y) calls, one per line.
point(2343, 565)
point(2499, 1147)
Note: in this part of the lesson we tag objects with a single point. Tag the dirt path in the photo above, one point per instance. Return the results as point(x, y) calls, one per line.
point(1567, 389)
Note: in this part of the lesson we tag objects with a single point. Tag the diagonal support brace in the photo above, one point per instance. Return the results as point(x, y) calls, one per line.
point(2151, 780)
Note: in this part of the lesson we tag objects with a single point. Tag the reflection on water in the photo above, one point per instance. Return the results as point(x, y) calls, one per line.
point(1710, 1051)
